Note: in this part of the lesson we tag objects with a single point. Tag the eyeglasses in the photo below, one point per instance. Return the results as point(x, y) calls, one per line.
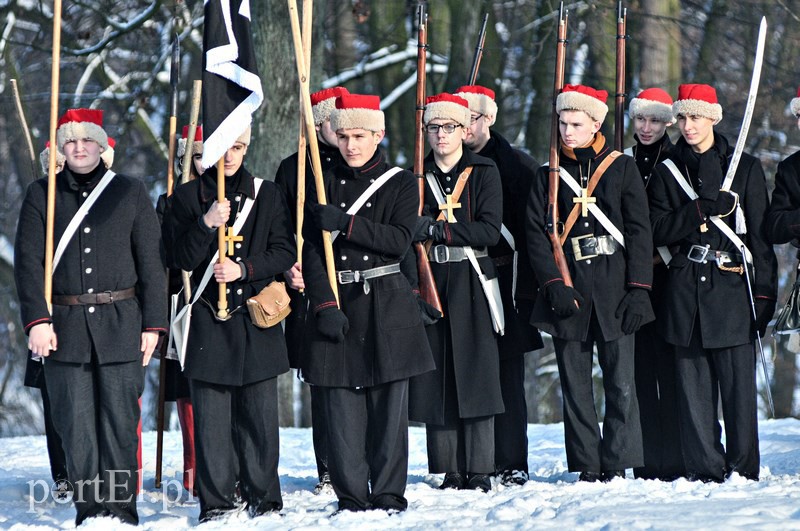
point(473, 119)
point(433, 129)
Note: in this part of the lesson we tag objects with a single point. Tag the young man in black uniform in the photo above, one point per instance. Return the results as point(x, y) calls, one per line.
point(322, 104)
point(651, 115)
point(518, 286)
point(706, 311)
point(232, 365)
point(361, 351)
point(108, 311)
point(783, 218)
point(459, 400)
point(609, 250)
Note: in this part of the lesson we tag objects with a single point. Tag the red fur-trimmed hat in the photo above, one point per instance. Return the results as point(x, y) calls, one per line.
point(583, 98)
point(197, 143)
point(81, 123)
point(481, 99)
point(323, 103)
point(447, 107)
point(795, 104)
point(44, 159)
point(107, 156)
point(358, 111)
point(697, 100)
point(653, 102)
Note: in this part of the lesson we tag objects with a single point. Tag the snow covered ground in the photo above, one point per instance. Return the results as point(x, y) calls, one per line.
point(552, 499)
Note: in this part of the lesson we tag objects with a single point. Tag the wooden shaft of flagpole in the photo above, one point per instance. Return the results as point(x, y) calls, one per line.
point(51, 166)
point(222, 303)
point(301, 138)
point(23, 123)
point(305, 102)
point(186, 168)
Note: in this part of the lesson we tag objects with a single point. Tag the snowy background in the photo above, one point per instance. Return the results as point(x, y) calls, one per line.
point(552, 499)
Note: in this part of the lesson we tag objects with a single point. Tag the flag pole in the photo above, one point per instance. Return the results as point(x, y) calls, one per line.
point(305, 101)
point(186, 169)
point(302, 143)
point(222, 302)
point(51, 165)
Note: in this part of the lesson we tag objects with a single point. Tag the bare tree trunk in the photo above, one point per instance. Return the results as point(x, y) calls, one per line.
point(659, 64)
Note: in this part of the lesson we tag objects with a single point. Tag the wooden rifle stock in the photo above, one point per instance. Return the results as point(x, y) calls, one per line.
point(427, 285)
point(476, 59)
point(553, 223)
point(619, 100)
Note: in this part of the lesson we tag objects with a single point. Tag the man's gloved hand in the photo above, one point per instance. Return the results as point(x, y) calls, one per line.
point(329, 217)
point(436, 232)
point(720, 206)
point(562, 299)
point(633, 309)
point(333, 324)
point(421, 229)
point(427, 313)
point(765, 308)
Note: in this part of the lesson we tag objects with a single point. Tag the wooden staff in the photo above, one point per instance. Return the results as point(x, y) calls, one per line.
point(23, 123)
point(174, 76)
point(51, 165)
point(222, 302)
point(476, 59)
point(553, 224)
point(194, 113)
point(316, 165)
point(301, 137)
point(427, 285)
point(619, 100)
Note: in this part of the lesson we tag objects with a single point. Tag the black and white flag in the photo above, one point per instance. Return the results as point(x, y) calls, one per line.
point(231, 86)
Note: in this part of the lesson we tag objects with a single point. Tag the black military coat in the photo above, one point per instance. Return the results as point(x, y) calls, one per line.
point(466, 329)
point(694, 290)
point(783, 217)
point(517, 172)
point(386, 340)
point(603, 281)
point(233, 352)
point(117, 246)
point(286, 179)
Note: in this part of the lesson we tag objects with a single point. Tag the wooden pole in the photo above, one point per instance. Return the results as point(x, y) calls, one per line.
point(186, 168)
point(302, 144)
point(316, 165)
point(222, 302)
point(23, 123)
point(51, 165)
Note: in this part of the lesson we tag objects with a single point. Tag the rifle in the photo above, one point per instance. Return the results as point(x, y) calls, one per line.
point(476, 59)
point(552, 223)
point(619, 100)
point(427, 285)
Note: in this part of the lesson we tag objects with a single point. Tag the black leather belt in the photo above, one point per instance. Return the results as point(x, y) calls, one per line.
point(101, 297)
point(703, 254)
point(589, 246)
point(348, 276)
point(441, 254)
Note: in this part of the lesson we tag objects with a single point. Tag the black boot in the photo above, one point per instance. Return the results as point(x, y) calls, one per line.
point(482, 482)
point(609, 475)
point(590, 477)
point(453, 480)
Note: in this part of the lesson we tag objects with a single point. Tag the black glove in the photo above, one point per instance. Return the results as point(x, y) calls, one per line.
point(720, 206)
point(329, 217)
point(333, 324)
point(436, 232)
point(764, 310)
point(633, 309)
point(421, 229)
point(427, 313)
point(562, 299)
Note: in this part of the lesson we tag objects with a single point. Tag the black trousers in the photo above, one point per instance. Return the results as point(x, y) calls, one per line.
point(319, 431)
point(55, 450)
point(511, 426)
point(656, 390)
point(620, 444)
point(95, 410)
point(466, 446)
point(703, 376)
point(236, 439)
point(368, 444)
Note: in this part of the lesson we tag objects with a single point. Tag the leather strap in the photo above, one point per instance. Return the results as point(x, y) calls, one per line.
point(87, 299)
point(598, 173)
point(461, 182)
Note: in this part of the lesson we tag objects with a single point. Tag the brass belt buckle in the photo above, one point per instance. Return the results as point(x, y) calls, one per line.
point(576, 248)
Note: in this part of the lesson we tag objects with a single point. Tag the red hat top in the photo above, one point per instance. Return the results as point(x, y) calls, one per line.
point(358, 111)
point(583, 98)
point(653, 103)
point(81, 123)
point(697, 100)
point(795, 104)
point(447, 106)
point(197, 144)
point(480, 99)
point(324, 101)
point(198, 133)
